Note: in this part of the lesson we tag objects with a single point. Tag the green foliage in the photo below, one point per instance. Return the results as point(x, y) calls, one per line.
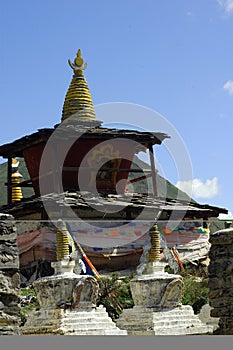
point(195, 286)
point(115, 294)
point(195, 292)
point(27, 308)
point(24, 292)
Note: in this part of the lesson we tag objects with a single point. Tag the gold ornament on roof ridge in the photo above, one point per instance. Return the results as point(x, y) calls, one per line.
point(78, 101)
point(78, 65)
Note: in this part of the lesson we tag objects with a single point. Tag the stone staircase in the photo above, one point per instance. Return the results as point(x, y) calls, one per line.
point(180, 320)
point(71, 322)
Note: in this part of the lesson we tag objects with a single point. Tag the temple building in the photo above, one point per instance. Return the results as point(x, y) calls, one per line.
point(79, 170)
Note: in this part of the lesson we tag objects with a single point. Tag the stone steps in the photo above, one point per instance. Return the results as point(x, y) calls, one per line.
point(75, 322)
point(191, 330)
point(50, 330)
point(106, 331)
point(164, 325)
point(176, 331)
point(76, 325)
point(88, 321)
point(151, 321)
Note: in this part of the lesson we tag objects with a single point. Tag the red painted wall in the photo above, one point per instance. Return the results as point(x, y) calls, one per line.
point(87, 154)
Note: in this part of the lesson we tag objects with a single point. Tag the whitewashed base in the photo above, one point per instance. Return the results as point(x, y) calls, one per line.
point(71, 322)
point(180, 320)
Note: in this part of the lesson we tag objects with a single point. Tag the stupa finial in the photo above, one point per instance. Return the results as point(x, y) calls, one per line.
point(78, 65)
point(78, 101)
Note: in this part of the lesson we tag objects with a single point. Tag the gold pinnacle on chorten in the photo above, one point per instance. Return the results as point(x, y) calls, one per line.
point(78, 65)
point(78, 101)
point(16, 194)
point(154, 251)
point(63, 241)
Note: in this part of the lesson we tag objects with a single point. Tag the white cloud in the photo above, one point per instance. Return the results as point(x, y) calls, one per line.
point(228, 216)
point(198, 188)
point(227, 5)
point(229, 86)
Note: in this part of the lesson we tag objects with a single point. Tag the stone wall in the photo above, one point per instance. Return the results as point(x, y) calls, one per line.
point(221, 280)
point(9, 277)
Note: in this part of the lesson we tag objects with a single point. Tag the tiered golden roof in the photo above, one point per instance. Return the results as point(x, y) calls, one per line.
point(78, 101)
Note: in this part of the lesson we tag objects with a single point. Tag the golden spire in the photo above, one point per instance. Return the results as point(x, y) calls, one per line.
point(78, 102)
point(15, 180)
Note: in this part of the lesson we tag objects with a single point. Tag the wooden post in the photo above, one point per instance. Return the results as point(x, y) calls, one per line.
point(153, 170)
point(9, 180)
point(57, 186)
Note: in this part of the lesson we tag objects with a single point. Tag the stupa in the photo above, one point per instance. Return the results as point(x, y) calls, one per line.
point(157, 296)
point(68, 299)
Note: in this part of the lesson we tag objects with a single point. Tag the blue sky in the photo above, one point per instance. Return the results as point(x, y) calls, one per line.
point(171, 56)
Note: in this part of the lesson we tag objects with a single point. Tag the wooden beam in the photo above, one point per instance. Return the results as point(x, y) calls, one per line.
point(139, 178)
point(119, 170)
point(153, 170)
point(57, 185)
point(9, 180)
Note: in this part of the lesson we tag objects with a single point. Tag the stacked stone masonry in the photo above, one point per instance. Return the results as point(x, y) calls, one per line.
point(221, 280)
point(9, 277)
